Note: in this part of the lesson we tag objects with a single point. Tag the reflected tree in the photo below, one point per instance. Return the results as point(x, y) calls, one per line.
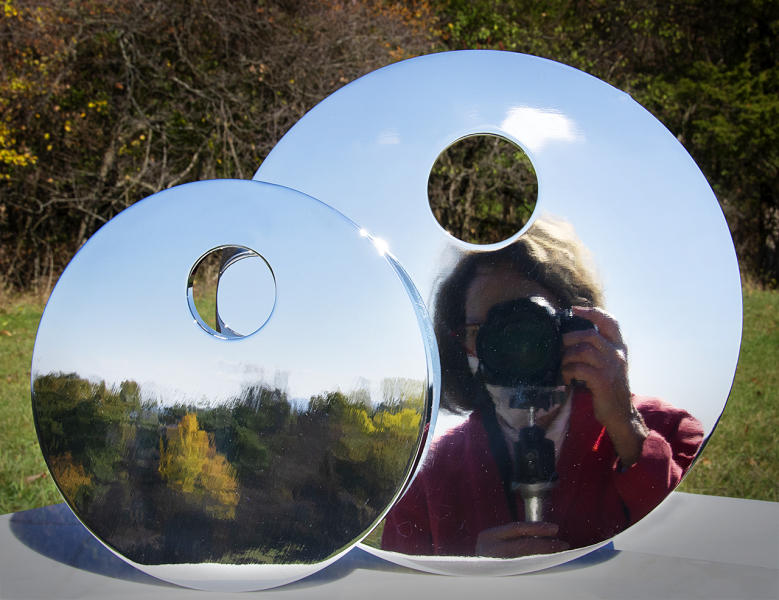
point(190, 464)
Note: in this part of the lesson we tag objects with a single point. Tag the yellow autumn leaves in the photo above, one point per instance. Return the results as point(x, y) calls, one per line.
point(10, 155)
point(190, 464)
point(385, 437)
point(69, 475)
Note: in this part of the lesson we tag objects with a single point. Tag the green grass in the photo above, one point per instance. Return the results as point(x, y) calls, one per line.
point(24, 479)
point(741, 459)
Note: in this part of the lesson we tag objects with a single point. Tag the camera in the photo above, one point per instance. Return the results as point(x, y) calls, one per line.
point(520, 344)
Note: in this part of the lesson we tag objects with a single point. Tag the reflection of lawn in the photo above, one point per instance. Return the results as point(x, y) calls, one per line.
point(204, 294)
point(740, 461)
point(374, 537)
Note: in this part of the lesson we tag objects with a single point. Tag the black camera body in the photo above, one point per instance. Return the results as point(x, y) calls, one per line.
point(521, 343)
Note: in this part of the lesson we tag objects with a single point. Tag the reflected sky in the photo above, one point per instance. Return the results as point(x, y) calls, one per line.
point(342, 319)
point(604, 164)
point(246, 294)
point(536, 127)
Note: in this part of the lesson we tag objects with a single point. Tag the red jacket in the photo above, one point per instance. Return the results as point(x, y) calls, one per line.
point(459, 492)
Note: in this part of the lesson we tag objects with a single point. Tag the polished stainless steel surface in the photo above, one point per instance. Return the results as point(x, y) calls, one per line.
point(614, 186)
point(233, 459)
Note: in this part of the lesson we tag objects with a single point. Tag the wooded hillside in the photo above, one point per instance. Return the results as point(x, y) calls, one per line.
point(104, 102)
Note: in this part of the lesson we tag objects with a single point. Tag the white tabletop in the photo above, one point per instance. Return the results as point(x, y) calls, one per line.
point(692, 546)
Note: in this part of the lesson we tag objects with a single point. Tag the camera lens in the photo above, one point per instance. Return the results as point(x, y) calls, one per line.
point(520, 343)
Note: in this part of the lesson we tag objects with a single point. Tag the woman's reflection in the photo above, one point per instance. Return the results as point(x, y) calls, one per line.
point(557, 452)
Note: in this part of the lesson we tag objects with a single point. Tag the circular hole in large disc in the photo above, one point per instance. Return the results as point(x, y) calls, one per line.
point(482, 189)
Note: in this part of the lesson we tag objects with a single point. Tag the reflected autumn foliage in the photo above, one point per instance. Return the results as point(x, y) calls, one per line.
point(70, 475)
point(190, 464)
point(260, 478)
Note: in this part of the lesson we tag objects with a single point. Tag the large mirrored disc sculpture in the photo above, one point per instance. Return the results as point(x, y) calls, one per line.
point(574, 431)
point(241, 450)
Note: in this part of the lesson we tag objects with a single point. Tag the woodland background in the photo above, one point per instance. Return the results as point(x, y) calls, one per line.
point(104, 102)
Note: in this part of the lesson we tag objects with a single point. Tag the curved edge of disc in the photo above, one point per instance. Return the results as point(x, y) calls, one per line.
point(470, 566)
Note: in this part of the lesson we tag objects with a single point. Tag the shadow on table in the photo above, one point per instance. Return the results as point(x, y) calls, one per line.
point(55, 532)
point(601, 555)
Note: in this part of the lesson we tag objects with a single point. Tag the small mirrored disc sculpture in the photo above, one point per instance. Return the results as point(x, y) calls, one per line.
point(246, 443)
point(626, 260)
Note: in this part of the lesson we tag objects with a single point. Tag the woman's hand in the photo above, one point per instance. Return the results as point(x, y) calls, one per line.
point(519, 539)
point(599, 360)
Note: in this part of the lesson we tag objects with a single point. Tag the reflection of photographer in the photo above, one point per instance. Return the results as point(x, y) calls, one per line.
point(520, 348)
point(556, 451)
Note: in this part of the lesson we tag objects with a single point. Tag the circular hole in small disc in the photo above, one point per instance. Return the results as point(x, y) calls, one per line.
point(482, 189)
point(231, 291)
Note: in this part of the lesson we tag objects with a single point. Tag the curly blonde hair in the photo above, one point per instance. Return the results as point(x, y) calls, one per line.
point(548, 253)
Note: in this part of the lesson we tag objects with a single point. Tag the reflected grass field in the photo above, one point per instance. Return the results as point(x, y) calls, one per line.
point(741, 459)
